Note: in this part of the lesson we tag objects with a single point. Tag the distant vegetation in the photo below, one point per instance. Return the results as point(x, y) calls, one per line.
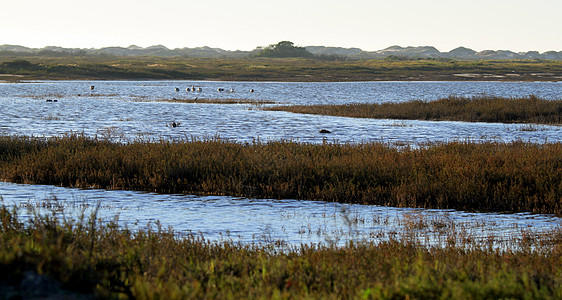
point(477, 109)
point(86, 69)
point(467, 176)
point(283, 50)
point(328, 68)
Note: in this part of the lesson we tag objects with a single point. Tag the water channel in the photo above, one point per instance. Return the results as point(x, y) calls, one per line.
point(128, 110)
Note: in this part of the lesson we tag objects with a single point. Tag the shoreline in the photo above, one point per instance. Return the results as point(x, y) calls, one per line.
point(23, 79)
point(32, 80)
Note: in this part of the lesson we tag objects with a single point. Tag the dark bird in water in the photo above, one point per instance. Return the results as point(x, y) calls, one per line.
point(324, 131)
point(91, 87)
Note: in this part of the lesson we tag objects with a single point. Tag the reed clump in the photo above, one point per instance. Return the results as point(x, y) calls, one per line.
point(488, 176)
point(529, 109)
point(87, 258)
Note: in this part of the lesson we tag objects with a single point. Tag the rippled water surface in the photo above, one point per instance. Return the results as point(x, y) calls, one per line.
point(264, 220)
point(129, 109)
point(126, 110)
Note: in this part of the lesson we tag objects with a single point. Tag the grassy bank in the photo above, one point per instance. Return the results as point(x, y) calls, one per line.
point(469, 176)
point(270, 69)
point(477, 109)
point(77, 259)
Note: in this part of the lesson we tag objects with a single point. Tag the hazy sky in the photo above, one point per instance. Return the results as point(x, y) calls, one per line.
point(518, 25)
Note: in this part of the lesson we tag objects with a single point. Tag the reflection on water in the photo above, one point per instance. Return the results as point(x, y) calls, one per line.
point(261, 220)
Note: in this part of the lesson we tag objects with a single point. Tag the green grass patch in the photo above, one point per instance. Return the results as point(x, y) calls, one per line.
point(476, 109)
point(90, 258)
point(487, 176)
point(275, 69)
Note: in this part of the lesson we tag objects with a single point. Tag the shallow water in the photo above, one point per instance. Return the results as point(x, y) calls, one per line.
point(125, 110)
point(265, 220)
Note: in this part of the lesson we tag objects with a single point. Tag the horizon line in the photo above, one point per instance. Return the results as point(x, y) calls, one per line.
point(257, 47)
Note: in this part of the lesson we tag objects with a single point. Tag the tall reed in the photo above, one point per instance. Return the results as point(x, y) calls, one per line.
point(487, 176)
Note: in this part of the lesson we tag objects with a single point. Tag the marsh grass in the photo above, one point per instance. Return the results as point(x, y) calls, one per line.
point(63, 96)
point(488, 176)
point(51, 117)
point(399, 124)
point(87, 256)
point(531, 128)
point(214, 101)
point(476, 109)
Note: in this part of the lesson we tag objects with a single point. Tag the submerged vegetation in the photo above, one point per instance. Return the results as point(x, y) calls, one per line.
point(476, 109)
point(48, 255)
point(274, 69)
point(213, 101)
point(487, 176)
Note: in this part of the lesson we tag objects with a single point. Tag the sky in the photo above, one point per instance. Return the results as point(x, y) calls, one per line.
point(516, 25)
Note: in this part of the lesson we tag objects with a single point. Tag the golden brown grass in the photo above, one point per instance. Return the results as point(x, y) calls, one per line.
point(477, 109)
point(487, 176)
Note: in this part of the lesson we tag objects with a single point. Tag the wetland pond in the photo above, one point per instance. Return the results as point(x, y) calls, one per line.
point(129, 110)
